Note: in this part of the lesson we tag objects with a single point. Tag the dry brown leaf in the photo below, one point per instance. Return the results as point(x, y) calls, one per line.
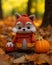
point(4, 57)
point(20, 60)
point(42, 58)
point(4, 60)
point(4, 63)
point(31, 57)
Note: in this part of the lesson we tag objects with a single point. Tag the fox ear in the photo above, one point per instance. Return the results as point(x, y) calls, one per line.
point(32, 17)
point(17, 15)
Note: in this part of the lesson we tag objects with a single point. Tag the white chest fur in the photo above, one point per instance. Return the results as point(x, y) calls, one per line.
point(24, 43)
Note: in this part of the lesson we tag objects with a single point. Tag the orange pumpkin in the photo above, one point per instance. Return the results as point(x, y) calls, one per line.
point(42, 46)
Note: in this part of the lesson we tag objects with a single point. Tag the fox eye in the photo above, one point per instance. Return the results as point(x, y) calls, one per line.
point(28, 27)
point(19, 27)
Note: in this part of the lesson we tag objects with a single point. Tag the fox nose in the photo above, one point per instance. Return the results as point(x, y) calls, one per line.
point(23, 29)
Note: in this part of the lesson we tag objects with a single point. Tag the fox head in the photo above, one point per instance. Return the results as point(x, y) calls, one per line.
point(24, 24)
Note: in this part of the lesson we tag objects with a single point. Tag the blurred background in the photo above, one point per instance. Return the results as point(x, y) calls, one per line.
point(10, 7)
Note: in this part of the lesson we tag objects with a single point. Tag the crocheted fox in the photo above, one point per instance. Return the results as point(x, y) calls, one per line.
point(24, 30)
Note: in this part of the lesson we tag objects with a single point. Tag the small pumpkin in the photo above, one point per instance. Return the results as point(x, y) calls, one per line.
point(42, 46)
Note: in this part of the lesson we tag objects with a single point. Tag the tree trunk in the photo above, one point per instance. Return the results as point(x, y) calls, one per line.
point(47, 19)
point(1, 15)
point(29, 7)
